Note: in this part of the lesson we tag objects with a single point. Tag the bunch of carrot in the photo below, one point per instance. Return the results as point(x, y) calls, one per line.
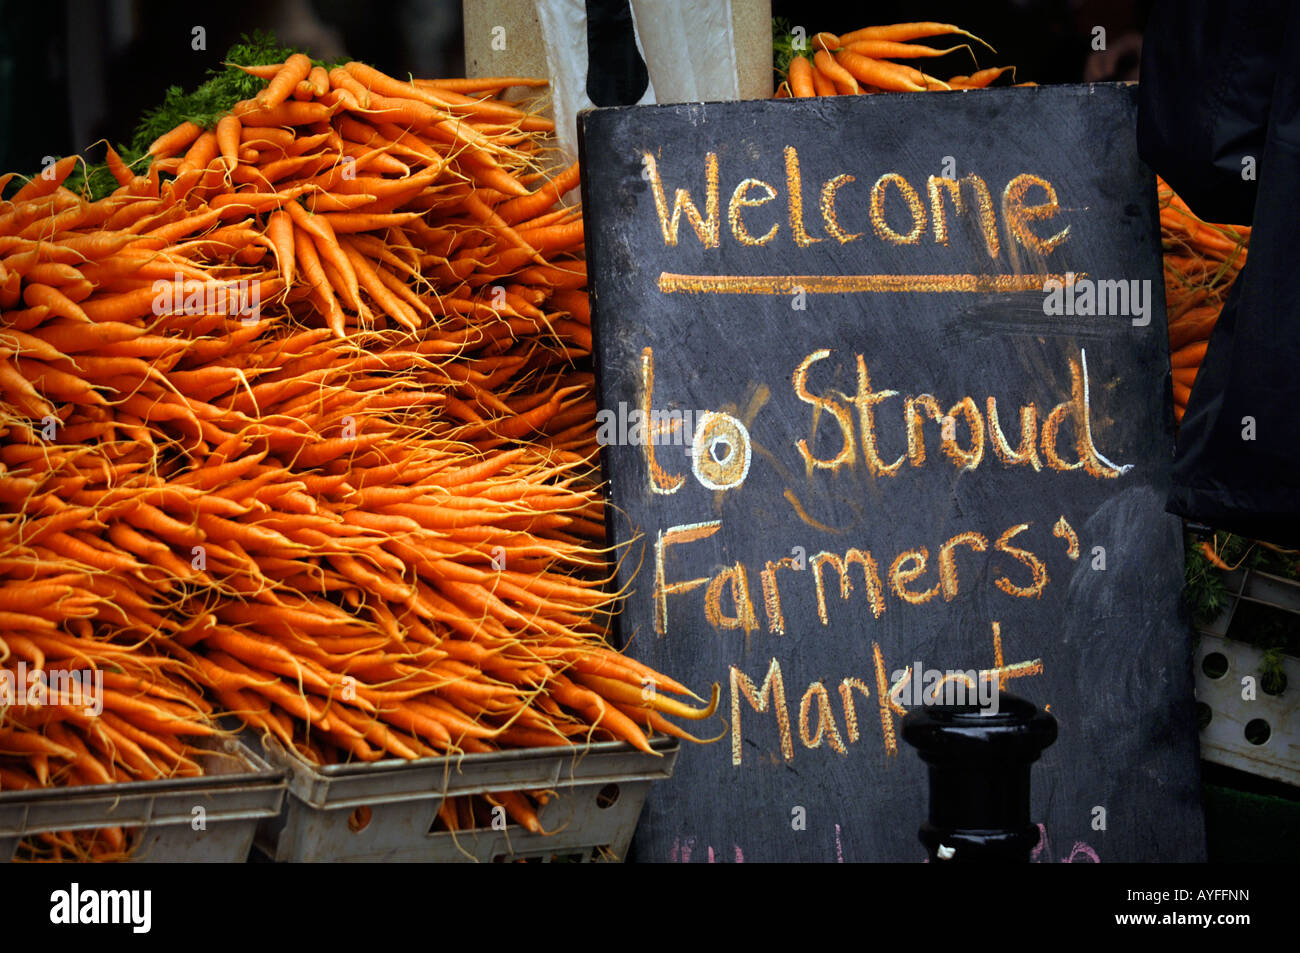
point(1202, 261)
point(300, 414)
point(865, 61)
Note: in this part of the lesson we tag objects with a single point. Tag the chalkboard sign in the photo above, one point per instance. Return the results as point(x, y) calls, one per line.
point(885, 407)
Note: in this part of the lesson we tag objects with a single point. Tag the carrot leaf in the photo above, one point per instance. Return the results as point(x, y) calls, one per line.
point(783, 50)
point(94, 182)
point(216, 95)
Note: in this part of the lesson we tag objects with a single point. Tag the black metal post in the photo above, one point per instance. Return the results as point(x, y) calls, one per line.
point(979, 777)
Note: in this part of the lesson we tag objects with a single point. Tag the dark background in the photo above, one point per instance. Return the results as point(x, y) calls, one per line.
point(73, 72)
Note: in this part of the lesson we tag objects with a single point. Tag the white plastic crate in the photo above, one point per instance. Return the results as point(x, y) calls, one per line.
point(384, 811)
point(238, 790)
point(1260, 735)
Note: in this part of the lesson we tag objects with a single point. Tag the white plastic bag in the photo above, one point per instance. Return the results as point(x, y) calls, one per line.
point(689, 50)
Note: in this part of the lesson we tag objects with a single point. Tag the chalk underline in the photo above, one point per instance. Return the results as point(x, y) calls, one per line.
point(670, 283)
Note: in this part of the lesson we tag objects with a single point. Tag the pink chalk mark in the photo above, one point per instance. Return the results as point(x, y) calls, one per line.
point(684, 846)
point(1035, 857)
point(1081, 849)
point(839, 847)
point(1079, 853)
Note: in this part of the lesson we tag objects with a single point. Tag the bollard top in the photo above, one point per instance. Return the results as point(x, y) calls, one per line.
point(1017, 732)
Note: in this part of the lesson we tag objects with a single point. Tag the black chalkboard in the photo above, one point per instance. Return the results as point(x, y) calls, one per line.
point(845, 308)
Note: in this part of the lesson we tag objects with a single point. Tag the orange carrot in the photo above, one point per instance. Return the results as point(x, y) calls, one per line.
point(227, 136)
point(822, 84)
point(1190, 355)
point(844, 81)
point(322, 293)
point(528, 206)
point(891, 49)
point(983, 78)
point(902, 32)
point(801, 81)
point(882, 74)
point(295, 69)
point(279, 228)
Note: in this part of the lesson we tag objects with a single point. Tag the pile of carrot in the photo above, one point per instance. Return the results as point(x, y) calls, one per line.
point(301, 417)
point(1202, 260)
point(867, 61)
